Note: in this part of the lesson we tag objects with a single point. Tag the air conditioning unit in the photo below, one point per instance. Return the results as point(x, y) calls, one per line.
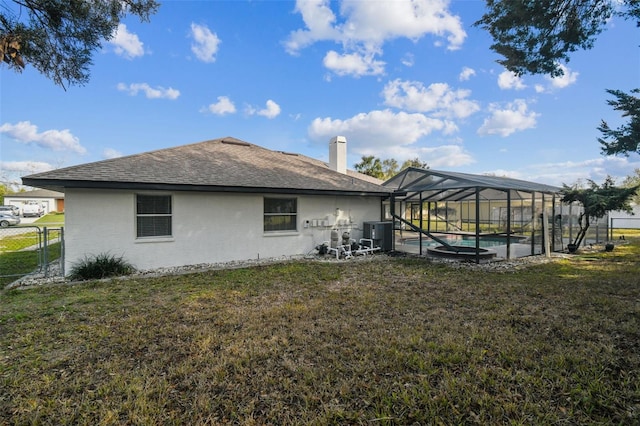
point(381, 233)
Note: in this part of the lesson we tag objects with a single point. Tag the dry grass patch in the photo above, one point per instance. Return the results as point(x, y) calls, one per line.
point(385, 342)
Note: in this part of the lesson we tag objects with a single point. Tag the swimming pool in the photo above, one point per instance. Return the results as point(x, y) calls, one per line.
point(464, 240)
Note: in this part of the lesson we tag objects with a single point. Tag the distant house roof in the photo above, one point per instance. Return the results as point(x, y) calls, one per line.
point(227, 165)
point(37, 193)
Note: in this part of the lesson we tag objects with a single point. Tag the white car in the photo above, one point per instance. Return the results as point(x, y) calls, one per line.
point(32, 208)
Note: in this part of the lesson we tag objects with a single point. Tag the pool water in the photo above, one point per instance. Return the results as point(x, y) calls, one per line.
point(464, 240)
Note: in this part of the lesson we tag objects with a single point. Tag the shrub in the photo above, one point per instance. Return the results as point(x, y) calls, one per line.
point(100, 266)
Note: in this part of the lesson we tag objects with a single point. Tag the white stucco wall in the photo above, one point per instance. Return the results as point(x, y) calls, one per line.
point(207, 228)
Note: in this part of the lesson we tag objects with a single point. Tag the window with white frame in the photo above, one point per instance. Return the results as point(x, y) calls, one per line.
point(153, 215)
point(280, 214)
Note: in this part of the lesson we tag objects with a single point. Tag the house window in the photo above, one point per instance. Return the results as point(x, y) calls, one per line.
point(153, 216)
point(280, 214)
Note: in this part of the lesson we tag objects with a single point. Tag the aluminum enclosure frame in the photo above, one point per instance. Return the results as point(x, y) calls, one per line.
point(487, 206)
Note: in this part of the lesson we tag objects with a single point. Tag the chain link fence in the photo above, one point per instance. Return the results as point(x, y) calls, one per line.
point(30, 250)
point(624, 225)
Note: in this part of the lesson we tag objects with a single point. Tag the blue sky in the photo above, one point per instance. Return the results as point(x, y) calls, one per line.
point(399, 79)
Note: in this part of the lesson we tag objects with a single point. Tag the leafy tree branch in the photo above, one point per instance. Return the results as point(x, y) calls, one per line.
point(59, 37)
point(536, 37)
point(626, 138)
point(386, 169)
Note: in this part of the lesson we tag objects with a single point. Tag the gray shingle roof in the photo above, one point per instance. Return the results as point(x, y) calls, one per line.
point(226, 164)
point(37, 193)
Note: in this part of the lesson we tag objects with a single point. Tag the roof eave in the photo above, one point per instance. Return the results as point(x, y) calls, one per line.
point(61, 185)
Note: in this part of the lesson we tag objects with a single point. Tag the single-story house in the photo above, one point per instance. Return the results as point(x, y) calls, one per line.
point(51, 201)
point(216, 201)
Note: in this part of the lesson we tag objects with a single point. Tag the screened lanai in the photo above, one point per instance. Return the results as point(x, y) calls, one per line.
point(473, 216)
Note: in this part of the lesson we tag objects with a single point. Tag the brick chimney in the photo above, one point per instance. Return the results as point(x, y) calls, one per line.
point(338, 154)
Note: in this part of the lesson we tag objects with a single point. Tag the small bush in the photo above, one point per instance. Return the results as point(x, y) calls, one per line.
point(100, 266)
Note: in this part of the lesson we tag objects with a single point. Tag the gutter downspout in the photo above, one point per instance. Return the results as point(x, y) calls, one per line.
point(508, 224)
point(477, 224)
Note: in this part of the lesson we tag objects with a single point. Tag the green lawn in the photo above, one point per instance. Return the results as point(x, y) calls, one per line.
point(627, 233)
point(389, 341)
point(51, 219)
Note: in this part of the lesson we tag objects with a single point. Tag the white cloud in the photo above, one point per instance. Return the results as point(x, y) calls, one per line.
point(150, 92)
point(408, 60)
point(271, 110)
point(438, 98)
point(25, 167)
point(509, 80)
point(379, 129)
point(365, 26)
point(222, 107)
point(570, 172)
point(466, 74)
point(109, 153)
point(386, 134)
point(567, 79)
point(510, 119)
point(205, 45)
point(354, 64)
point(126, 44)
point(319, 19)
point(444, 156)
point(56, 140)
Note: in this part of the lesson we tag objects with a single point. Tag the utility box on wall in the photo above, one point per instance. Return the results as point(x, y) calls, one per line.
point(381, 233)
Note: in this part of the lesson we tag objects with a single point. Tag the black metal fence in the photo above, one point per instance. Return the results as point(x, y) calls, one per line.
point(31, 250)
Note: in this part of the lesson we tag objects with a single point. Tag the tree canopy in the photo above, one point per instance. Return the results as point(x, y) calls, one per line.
point(370, 166)
point(537, 36)
point(597, 201)
point(59, 37)
point(626, 138)
point(385, 169)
